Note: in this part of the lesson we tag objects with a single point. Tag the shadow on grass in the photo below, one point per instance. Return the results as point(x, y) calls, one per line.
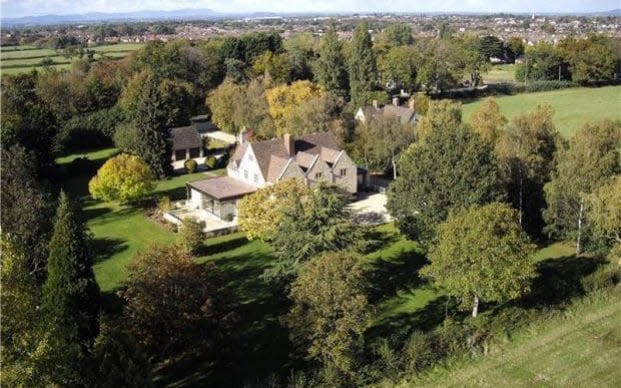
point(222, 246)
point(559, 280)
point(104, 248)
point(387, 276)
point(260, 346)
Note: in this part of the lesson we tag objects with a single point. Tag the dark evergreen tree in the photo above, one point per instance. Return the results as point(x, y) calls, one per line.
point(362, 66)
point(331, 71)
point(70, 300)
point(25, 213)
point(453, 168)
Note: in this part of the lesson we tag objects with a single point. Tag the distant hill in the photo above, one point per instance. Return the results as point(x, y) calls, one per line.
point(94, 17)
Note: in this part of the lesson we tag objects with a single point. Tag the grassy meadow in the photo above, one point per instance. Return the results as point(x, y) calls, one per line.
point(21, 59)
point(573, 107)
point(579, 348)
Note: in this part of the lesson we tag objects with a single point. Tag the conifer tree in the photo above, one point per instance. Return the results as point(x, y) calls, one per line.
point(331, 67)
point(362, 66)
point(70, 299)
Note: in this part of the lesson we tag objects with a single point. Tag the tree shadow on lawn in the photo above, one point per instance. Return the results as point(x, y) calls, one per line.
point(260, 346)
point(222, 246)
point(387, 276)
point(559, 280)
point(104, 248)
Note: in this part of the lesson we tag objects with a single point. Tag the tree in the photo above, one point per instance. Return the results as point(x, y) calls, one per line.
point(541, 62)
point(438, 68)
point(605, 209)
point(330, 311)
point(515, 47)
point(174, 305)
point(487, 121)
point(471, 57)
point(26, 210)
point(395, 34)
point(590, 59)
point(592, 158)
point(276, 66)
point(398, 68)
point(322, 223)
point(122, 178)
point(191, 234)
point(287, 101)
point(70, 298)
point(120, 361)
point(222, 104)
point(482, 255)
point(382, 140)
point(453, 168)
point(331, 68)
point(262, 212)
point(362, 66)
point(440, 115)
point(152, 107)
point(526, 151)
point(21, 330)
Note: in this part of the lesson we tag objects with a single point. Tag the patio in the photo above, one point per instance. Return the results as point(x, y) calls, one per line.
point(213, 225)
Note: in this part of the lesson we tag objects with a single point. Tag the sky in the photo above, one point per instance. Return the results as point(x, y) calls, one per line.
point(17, 8)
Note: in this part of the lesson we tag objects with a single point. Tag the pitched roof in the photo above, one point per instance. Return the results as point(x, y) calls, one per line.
point(223, 187)
point(272, 156)
point(405, 114)
point(185, 137)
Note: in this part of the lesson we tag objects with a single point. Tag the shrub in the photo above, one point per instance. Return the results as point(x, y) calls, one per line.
point(418, 352)
point(164, 204)
point(123, 178)
point(190, 166)
point(228, 217)
point(210, 162)
point(603, 277)
point(191, 234)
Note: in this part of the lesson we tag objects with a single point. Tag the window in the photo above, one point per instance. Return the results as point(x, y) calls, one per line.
point(318, 175)
point(256, 178)
point(343, 171)
point(195, 152)
point(246, 174)
point(179, 154)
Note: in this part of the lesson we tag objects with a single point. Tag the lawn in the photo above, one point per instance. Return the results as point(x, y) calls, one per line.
point(23, 59)
point(573, 106)
point(580, 348)
point(500, 73)
point(403, 300)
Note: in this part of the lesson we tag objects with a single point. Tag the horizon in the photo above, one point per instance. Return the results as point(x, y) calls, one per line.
point(10, 9)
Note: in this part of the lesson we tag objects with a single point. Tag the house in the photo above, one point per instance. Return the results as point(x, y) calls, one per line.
point(405, 114)
point(313, 158)
point(186, 143)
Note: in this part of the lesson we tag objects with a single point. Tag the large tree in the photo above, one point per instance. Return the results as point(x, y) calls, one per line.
point(70, 298)
point(331, 67)
point(440, 115)
point(330, 311)
point(262, 212)
point(605, 209)
point(397, 68)
point(488, 121)
point(316, 224)
point(175, 305)
point(526, 150)
point(453, 168)
point(482, 255)
point(382, 140)
point(362, 66)
point(26, 209)
point(592, 158)
point(122, 178)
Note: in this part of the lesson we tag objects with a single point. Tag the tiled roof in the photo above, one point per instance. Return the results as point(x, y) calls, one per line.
point(223, 187)
point(185, 137)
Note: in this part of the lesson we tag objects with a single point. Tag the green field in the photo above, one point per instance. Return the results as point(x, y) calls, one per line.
point(573, 107)
point(500, 73)
point(21, 59)
point(580, 348)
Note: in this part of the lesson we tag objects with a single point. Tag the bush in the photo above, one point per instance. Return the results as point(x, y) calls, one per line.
point(164, 204)
point(191, 234)
point(418, 352)
point(604, 277)
point(190, 166)
point(228, 217)
point(210, 162)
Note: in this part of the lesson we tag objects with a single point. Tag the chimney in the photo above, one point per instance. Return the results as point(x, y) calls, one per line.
point(241, 136)
point(395, 101)
point(289, 144)
point(375, 104)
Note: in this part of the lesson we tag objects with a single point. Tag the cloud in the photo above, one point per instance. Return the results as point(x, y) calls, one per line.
point(15, 8)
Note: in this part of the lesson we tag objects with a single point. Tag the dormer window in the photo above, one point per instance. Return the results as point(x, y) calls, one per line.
point(343, 171)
